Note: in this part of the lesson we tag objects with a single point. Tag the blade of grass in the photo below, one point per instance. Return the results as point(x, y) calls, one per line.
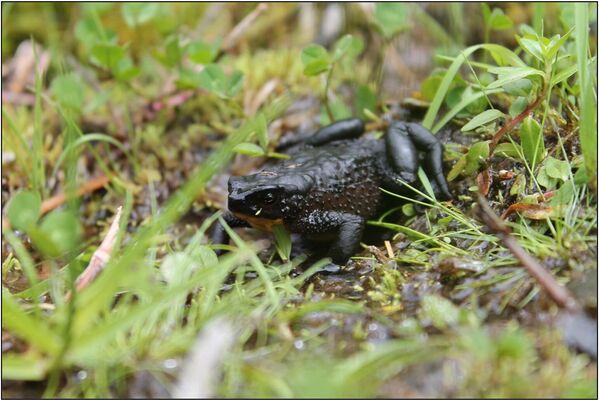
point(587, 99)
point(508, 56)
point(37, 149)
point(23, 367)
point(35, 331)
point(18, 145)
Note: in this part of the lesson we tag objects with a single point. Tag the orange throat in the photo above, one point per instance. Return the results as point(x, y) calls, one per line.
point(259, 222)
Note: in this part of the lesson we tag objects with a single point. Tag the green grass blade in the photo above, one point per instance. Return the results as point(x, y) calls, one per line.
point(37, 151)
point(23, 367)
point(35, 331)
point(587, 99)
point(507, 56)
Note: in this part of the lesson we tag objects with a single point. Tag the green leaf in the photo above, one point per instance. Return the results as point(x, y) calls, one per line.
point(136, 14)
point(457, 168)
point(189, 79)
point(564, 74)
point(509, 149)
point(173, 52)
point(62, 230)
point(532, 47)
point(99, 8)
point(214, 79)
point(519, 184)
point(478, 152)
point(202, 53)
point(108, 55)
point(518, 106)
point(555, 45)
point(341, 47)
point(483, 118)
point(365, 100)
point(316, 60)
point(68, 90)
point(234, 84)
point(88, 32)
point(544, 180)
point(262, 130)
point(531, 139)
point(521, 87)
point(314, 52)
point(125, 70)
point(511, 74)
point(356, 47)
point(282, 241)
point(429, 87)
point(392, 18)
point(555, 168)
point(249, 149)
point(498, 21)
point(317, 67)
point(24, 209)
point(564, 194)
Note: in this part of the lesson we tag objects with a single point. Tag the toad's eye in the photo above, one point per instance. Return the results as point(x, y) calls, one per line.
point(269, 198)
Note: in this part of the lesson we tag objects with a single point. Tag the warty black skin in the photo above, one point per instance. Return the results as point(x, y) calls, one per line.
point(330, 188)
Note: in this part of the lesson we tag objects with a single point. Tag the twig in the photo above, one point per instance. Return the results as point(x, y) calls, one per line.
point(91, 186)
point(20, 99)
point(233, 36)
point(52, 203)
point(101, 255)
point(511, 124)
point(545, 279)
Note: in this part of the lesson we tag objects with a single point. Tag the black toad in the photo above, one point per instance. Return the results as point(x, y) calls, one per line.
point(328, 189)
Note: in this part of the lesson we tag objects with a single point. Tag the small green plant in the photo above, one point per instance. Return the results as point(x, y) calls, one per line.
point(317, 60)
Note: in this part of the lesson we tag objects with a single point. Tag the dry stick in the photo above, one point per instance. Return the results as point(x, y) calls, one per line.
point(52, 203)
point(233, 36)
point(101, 255)
point(556, 291)
point(91, 186)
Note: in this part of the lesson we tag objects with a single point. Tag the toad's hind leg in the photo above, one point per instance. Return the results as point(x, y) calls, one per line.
point(349, 128)
point(404, 140)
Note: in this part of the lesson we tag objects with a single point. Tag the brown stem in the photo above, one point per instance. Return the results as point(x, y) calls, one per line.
point(511, 124)
point(544, 278)
point(52, 203)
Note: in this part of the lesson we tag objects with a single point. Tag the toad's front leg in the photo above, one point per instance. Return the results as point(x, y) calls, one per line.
point(345, 228)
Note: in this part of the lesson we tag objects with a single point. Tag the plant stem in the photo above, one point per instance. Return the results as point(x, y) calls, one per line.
point(511, 124)
point(325, 95)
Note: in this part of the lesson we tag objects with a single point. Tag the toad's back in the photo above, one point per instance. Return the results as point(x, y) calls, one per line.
point(343, 176)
